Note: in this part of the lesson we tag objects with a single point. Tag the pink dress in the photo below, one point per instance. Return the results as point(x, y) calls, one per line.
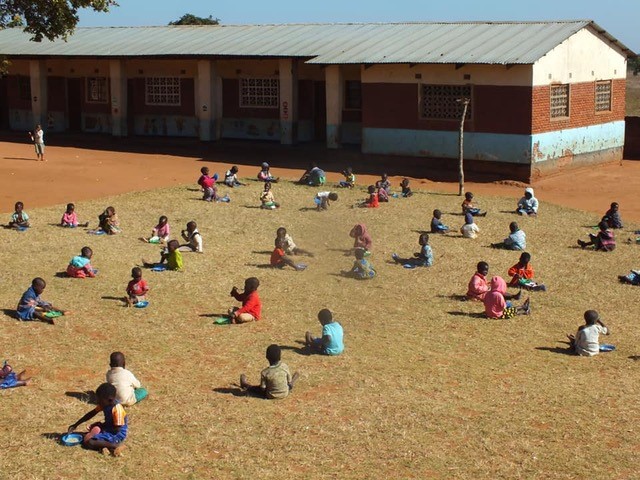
point(162, 231)
point(494, 303)
point(69, 219)
point(478, 287)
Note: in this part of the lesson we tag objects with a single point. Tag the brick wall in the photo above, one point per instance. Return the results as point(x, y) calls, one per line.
point(582, 108)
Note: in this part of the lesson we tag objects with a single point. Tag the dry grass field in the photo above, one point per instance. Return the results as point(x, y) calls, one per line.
point(426, 388)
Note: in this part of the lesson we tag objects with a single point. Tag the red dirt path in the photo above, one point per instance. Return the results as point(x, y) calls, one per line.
point(74, 174)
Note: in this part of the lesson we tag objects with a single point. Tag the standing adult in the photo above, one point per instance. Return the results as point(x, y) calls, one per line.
point(37, 137)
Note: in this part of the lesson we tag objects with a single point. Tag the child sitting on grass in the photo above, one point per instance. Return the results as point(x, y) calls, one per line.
point(478, 286)
point(362, 268)
point(80, 265)
point(330, 343)
point(612, 217)
point(522, 275)
point(268, 201)
point(528, 205)
point(469, 229)
point(517, 239)
point(362, 239)
point(108, 221)
point(383, 195)
point(32, 307)
point(109, 435)
point(193, 238)
point(231, 178)
point(469, 207)
point(251, 305)
point(385, 184)
point(288, 245)
point(373, 200)
point(160, 233)
point(19, 218)
point(633, 278)
point(137, 288)
point(11, 379)
point(275, 381)
point(129, 390)
point(70, 218)
point(586, 341)
point(406, 189)
point(436, 224)
point(170, 256)
point(324, 199)
point(264, 174)
point(349, 179)
point(313, 176)
point(424, 258)
point(495, 305)
point(604, 241)
point(280, 260)
point(205, 179)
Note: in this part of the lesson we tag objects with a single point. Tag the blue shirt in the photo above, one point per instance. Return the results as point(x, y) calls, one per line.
point(79, 261)
point(335, 346)
point(426, 255)
point(28, 303)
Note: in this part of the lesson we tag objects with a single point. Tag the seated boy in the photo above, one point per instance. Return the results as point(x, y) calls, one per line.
point(280, 260)
point(275, 380)
point(522, 275)
point(517, 239)
point(11, 379)
point(586, 341)
point(331, 341)
point(436, 224)
point(251, 305)
point(171, 256)
point(128, 388)
point(32, 307)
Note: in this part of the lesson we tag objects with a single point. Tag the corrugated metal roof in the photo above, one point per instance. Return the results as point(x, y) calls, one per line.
point(353, 43)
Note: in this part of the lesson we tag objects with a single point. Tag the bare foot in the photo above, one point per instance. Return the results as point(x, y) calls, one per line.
point(105, 451)
point(117, 452)
point(243, 381)
point(294, 379)
point(27, 381)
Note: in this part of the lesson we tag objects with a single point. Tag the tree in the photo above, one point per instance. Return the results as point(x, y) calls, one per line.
point(49, 19)
point(190, 19)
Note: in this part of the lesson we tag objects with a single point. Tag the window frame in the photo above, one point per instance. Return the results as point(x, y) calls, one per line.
point(147, 94)
point(568, 106)
point(242, 84)
point(347, 98)
point(470, 109)
point(610, 106)
point(88, 89)
point(24, 88)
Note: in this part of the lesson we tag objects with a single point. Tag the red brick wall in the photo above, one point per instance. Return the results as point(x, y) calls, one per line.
point(187, 100)
point(496, 109)
point(582, 107)
point(231, 103)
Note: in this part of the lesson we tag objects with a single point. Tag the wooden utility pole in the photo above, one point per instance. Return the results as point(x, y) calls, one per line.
point(465, 103)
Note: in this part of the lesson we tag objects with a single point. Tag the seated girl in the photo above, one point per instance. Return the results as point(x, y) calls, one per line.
point(80, 265)
point(280, 260)
point(267, 199)
point(264, 174)
point(70, 218)
point(288, 245)
point(495, 305)
point(362, 239)
point(108, 221)
point(424, 258)
point(604, 241)
point(362, 268)
point(160, 233)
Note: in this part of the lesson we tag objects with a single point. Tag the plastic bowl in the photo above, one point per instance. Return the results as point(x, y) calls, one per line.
point(141, 304)
point(72, 439)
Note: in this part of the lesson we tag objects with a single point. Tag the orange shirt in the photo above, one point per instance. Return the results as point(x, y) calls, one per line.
point(518, 272)
point(373, 201)
point(276, 257)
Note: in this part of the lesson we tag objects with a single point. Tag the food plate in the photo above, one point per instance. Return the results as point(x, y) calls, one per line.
point(159, 268)
point(71, 439)
point(141, 304)
point(409, 265)
point(607, 347)
point(222, 320)
point(53, 314)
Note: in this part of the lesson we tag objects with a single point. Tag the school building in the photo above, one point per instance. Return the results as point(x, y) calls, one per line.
point(543, 95)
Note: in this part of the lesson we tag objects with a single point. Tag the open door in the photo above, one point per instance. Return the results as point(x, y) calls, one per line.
point(74, 104)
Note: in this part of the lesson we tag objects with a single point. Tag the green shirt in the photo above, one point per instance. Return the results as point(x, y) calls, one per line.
point(174, 260)
point(275, 380)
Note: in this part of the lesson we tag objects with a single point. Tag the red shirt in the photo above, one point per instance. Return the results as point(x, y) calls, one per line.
point(518, 272)
point(373, 201)
point(137, 288)
point(276, 257)
point(250, 304)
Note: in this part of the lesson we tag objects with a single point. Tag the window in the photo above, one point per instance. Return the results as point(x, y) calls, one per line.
point(603, 96)
point(162, 91)
point(24, 88)
point(353, 95)
point(440, 102)
point(560, 101)
point(97, 90)
point(260, 92)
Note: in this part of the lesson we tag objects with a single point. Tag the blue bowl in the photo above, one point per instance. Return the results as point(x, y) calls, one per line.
point(141, 304)
point(159, 268)
point(607, 347)
point(72, 439)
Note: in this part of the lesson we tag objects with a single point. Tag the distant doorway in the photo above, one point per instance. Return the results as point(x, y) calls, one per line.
point(320, 111)
point(74, 104)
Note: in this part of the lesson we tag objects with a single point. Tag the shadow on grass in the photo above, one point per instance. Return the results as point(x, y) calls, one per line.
point(111, 297)
point(468, 314)
point(61, 275)
point(560, 350)
point(88, 396)
point(235, 391)
point(262, 252)
point(257, 207)
point(262, 265)
point(55, 436)
point(634, 357)
point(214, 315)
point(302, 349)
point(10, 312)
point(454, 296)
point(308, 209)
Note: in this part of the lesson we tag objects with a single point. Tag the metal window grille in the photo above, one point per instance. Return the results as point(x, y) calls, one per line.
point(353, 95)
point(560, 101)
point(162, 91)
point(440, 102)
point(260, 92)
point(24, 88)
point(603, 96)
point(97, 90)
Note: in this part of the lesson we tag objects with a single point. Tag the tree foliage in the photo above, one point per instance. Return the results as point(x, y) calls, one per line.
point(190, 19)
point(49, 19)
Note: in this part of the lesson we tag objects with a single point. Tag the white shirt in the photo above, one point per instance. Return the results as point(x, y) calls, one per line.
point(39, 136)
point(470, 230)
point(125, 383)
point(323, 194)
point(195, 240)
point(587, 340)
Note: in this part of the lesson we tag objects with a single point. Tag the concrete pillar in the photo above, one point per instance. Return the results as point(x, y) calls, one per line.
point(38, 80)
point(118, 91)
point(288, 101)
point(335, 100)
point(208, 101)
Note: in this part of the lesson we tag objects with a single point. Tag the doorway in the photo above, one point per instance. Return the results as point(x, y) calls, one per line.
point(320, 111)
point(74, 104)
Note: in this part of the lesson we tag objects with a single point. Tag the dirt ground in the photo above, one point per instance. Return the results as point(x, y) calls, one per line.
point(73, 174)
